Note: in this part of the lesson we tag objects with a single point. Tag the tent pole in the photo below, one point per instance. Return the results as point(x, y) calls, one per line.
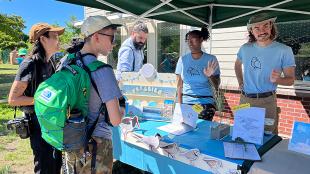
point(116, 8)
point(210, 27)
point(187, 14)
point(176, 10)
point(256, 7)
point(252, 12)
point(154, 8)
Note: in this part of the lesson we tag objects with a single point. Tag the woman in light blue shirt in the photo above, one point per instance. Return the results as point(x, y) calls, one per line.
point(198, 74)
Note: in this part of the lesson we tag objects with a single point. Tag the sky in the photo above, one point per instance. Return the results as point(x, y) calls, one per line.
point(35, 11)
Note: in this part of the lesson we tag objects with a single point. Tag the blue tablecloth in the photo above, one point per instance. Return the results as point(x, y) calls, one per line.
point(156, 163)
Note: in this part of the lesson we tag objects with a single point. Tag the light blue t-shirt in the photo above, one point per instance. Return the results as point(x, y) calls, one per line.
point(108, 89)
point(258, 63)
point(194, 81)
point(126, 55)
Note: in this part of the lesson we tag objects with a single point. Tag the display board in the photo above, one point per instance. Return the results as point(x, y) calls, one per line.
point(150, 99)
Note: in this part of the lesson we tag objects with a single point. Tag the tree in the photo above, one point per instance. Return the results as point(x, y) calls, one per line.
point(11, 32)
point(71, 31)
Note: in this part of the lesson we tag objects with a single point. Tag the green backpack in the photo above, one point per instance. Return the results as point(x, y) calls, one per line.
point(61, 103)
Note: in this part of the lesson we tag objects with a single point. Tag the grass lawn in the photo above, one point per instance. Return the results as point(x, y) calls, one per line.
point(15, 153)
point(7, 75)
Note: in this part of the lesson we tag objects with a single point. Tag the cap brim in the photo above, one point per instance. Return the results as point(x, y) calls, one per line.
point(59, 30)
point(114, 25)
point(271, 19)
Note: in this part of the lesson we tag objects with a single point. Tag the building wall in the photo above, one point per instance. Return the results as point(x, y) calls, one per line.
point(294, 104)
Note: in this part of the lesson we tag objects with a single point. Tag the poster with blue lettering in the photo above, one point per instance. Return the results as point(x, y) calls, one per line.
point(300, 141)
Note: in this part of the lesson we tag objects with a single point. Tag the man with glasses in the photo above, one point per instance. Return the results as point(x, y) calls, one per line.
point(98, 34)
point(130, 55)
point(266, 64)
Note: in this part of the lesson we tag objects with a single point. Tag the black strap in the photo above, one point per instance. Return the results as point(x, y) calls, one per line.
point(15, 112)
point(93, 158)
point(103, 106)
point(101, 110)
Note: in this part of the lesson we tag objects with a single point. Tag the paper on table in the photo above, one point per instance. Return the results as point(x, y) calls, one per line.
point(176, 129)
point(184, 113)
point(249, 125)
point(184, 120)
point(241, 151)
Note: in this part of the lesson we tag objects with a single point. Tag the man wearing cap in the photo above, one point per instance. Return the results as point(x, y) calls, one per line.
point(32, 71)
point(266, 64)
point(99, 34)
point(130, 55)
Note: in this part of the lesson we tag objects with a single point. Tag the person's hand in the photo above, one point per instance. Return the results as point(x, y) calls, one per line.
point(212, 66)
point(275, 75)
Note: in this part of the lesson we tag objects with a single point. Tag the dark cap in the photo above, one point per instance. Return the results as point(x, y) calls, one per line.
point(261, 17)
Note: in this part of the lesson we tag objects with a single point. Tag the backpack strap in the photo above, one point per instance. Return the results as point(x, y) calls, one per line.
point(95, 65)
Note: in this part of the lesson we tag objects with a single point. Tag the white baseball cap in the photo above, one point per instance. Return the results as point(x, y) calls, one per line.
point(95, 23)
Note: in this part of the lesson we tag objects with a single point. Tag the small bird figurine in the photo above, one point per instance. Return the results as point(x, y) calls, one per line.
point(170, 148)
point(191, 155)
point(129, 124)
point(152, 141)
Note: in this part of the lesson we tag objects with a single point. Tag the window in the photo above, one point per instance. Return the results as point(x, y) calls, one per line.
point(168, 46)
point(113, 57)
point(297, 36)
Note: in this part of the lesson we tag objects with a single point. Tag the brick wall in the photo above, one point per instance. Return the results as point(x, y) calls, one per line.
point(292, 108)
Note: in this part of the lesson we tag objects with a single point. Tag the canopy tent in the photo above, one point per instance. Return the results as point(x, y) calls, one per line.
point(214, 13)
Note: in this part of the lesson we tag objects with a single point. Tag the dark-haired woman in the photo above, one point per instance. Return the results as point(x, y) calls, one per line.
point(198, 74)
point(33, 70)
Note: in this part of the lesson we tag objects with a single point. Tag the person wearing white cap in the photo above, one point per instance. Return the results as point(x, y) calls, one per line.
point(99, 35)
point(264, 60)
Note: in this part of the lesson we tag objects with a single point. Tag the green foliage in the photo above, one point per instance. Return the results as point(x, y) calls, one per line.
point(7, 75)
point(11, 34)
point(71, 31)
point(5, 170)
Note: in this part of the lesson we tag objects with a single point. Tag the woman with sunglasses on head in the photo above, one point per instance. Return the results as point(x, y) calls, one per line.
point(32, 71)
point(198, 74)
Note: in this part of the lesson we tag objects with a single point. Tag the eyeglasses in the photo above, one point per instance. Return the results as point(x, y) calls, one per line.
point(111, 36)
